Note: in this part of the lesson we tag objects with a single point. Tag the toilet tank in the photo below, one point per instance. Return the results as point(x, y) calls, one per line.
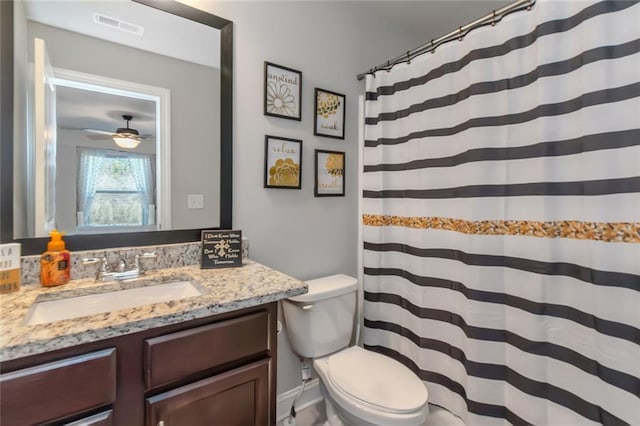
point(321, 321)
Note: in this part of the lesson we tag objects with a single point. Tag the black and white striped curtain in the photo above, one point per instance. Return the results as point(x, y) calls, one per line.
point(502, 217)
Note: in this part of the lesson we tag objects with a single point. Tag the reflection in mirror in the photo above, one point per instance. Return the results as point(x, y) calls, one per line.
point(121, 119)
point(106, 179)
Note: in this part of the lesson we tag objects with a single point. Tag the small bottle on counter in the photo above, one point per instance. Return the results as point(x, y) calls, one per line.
point(55, 263)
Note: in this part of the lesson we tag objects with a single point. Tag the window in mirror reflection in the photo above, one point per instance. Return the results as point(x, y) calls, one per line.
point(115, 189)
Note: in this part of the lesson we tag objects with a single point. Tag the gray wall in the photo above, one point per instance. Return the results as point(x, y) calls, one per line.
point(291, 230)
point(194, 111)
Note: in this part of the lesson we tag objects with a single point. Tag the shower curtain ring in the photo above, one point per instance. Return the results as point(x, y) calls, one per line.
point(529, 5)
point(460, 37)
point(388, 66)
point(433, 47)
point(409, 57)
point(493, 21)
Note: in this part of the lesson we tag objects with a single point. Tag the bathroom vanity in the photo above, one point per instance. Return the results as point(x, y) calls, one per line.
point(204, 359)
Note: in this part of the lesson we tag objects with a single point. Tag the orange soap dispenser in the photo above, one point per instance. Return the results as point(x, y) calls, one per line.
point(55, 263)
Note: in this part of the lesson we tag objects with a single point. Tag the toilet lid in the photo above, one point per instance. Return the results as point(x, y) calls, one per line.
point(377, 380)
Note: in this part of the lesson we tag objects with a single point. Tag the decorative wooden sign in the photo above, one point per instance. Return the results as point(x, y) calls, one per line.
point(221, 249)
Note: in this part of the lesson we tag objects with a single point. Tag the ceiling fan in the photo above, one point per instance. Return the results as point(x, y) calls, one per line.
point(124, 137)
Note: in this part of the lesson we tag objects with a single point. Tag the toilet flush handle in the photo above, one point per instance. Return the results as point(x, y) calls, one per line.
point(307, 307)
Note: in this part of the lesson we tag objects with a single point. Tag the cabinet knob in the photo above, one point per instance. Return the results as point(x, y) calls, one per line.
point(161, 423)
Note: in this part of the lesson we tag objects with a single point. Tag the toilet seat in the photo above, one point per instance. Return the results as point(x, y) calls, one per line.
point(348, 376)
point(376, 380)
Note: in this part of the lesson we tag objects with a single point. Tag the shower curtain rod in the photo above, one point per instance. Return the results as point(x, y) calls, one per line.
point(491, 18)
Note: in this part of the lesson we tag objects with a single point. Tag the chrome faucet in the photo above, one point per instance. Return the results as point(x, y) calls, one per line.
point(118, 271)
point(122, 263)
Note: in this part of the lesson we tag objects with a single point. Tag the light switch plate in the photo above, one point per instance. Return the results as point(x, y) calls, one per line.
point(195, 201)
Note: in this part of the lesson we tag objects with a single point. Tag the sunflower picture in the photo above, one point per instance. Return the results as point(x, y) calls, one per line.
point(335, 164)
point(282, 91)
point(330, 175)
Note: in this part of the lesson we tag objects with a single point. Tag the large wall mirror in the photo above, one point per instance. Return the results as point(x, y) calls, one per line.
point(116, 122)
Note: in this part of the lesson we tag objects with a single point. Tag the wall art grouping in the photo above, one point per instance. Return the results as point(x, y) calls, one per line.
point(283, 167)
point(283, 156)
point(283, 99)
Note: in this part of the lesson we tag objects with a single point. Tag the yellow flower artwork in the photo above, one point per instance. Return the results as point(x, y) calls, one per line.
point(330, 173)
point(329, 114)
point(285, 172)
point(327, 104)
point(335, 164)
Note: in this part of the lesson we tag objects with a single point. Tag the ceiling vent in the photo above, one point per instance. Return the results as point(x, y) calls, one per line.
point(118, 24)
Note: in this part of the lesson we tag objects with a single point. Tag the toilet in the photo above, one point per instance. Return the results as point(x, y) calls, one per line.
point(360, 387)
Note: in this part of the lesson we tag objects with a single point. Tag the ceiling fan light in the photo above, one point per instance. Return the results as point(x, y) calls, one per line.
point(126, 142)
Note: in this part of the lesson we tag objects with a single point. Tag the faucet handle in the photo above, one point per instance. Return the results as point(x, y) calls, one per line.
point(122, 262)
point(140, 257)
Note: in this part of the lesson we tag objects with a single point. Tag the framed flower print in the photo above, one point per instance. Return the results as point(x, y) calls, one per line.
point(329, 114)
point(282, 162)
point(329, 167)
point(282, 92)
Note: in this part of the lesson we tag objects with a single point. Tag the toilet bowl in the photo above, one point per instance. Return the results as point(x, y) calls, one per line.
point(365, 388)
point(360, 387)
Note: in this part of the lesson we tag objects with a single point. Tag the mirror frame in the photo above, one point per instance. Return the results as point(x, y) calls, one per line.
point(32, 246)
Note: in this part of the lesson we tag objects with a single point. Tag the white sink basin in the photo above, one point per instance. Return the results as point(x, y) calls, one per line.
point(74, 307)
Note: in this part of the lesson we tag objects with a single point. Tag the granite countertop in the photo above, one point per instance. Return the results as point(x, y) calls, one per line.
point(223, 290)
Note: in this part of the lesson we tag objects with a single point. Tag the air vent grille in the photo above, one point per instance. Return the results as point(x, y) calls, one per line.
point(118, 24)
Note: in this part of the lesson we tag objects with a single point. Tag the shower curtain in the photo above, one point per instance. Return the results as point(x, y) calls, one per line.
point(501, 217)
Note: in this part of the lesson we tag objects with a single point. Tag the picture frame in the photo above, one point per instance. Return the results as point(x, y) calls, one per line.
point(329, 173)
point(282, 162)
point(282, 92)
point(329, 114)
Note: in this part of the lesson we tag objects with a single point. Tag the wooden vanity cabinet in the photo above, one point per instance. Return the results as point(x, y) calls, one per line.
point(215, 370)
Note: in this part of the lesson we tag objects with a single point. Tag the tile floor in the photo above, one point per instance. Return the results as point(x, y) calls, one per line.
point(315, 416)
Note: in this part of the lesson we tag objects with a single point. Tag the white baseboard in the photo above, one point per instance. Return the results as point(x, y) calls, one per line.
point(310, 396)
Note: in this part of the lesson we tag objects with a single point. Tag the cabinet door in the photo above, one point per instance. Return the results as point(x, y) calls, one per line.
point(238, 397)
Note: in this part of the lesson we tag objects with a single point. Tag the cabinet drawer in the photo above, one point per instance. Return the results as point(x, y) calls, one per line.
point(175, 356)
point(58, 389)
point(238, 397)
point(104, 418)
